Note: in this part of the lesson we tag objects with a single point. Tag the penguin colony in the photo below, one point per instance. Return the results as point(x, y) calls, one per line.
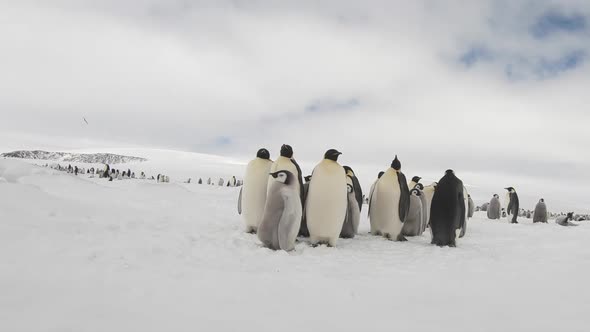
point(277, 206)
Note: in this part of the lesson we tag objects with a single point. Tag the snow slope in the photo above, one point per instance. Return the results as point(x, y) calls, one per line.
point(83, 254)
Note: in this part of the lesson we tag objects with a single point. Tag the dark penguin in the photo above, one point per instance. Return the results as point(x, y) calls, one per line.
point(200, 181)
point(540, 214)
point(304, 231)
point(447, 212)
point(513, 205)
point(358, 192)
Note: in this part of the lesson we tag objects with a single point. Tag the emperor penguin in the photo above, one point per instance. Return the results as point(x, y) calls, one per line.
point(428, 194)
point(494, 208)
point(326, 203)
point(282, 213)
point(286, 162)
point(379, 175)
point(358, 192)
point(466, 202)
point(447, 213)
point(252, 196)
point(353, 213)
point(471, 206)
point(413, 223)
point(565, 220)
point(303, 231)
point(414, 182)
point(513, 205)
point(389, 203)
point(540, 214)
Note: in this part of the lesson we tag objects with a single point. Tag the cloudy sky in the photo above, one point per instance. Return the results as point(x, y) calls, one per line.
point(497, 90)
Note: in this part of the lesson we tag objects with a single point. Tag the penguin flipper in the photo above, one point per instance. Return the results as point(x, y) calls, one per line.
point(240, 202)
point(358, 191)
point(289, 224)
point(462, 221)
point(404, 199)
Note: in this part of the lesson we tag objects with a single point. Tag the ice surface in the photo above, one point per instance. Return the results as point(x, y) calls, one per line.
point(80, 254)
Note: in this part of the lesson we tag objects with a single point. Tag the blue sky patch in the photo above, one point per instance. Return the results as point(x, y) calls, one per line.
point(554, 22)
point(332, 105)
point(474, 55)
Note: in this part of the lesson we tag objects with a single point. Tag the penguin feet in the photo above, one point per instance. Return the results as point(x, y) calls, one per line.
point(401, 238)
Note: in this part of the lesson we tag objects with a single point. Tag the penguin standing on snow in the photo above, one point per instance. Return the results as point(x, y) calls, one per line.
point(282, 213)
point(540, 214)
point(494, 208)
point(326, 203)
point(286, 162)
point(353, 212)
point(428, 194)
point(447, 213)
point(413, 223)
point(252, 196)
point(389, 203)
point(513, 205)
point(358, 192)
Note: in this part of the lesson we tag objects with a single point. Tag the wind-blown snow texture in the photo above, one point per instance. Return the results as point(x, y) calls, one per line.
point(103, 158)
point(81, 254)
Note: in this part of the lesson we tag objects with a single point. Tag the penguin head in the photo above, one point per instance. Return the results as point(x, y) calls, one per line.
point(570, 215)
point(416, 179)
point(396, 164)
point(510, 189)
point(541, 201)
point(263, 154)
point(449, 171)
point(348, 170)
point(286, 151)
point(332, 154)
point(419, 186)
point(415, 192)
point(380, 174)
point(307, 178)
point(496, 196)
point(349, 188)
point(282, 176)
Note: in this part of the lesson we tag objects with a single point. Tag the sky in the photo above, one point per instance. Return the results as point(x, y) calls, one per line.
point(496, 90)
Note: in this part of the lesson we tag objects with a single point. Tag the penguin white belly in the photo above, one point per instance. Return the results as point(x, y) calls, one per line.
point(385, 210)
point(284, 163)
point(254, 192)
point(326, 202)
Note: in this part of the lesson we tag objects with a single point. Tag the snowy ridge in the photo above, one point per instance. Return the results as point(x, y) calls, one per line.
point(94, 158)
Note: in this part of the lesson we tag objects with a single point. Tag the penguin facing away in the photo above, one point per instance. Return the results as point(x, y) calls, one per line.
point(413, 223)
point(513, 205)
point(447, 213)
point(253, 193)
point(282, 213)
point(494, 209)
point(540, 214)
point(353, 213)
point(389, 203)
point(326, 203)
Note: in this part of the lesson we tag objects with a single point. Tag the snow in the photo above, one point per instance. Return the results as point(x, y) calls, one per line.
point(81, 254)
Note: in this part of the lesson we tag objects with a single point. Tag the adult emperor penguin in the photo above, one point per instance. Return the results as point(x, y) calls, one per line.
point(494, 208)
point(471, 206)
point(282, 213)
point(447, 213)
point(253, 193)
point(389, 203)
point(413, 223)
point(358, 191)
point(353, 213)
point(414, 182)
point(286, 162)
point(513, 204)
point(326, 203)
point(540, 214)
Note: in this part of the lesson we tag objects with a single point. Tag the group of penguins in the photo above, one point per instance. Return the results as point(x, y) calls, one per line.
point(233, 182)
point(278, 206)
point(494, 211)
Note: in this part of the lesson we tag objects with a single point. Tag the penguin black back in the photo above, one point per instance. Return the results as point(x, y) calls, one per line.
point(447, 211)
point(404, 198)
